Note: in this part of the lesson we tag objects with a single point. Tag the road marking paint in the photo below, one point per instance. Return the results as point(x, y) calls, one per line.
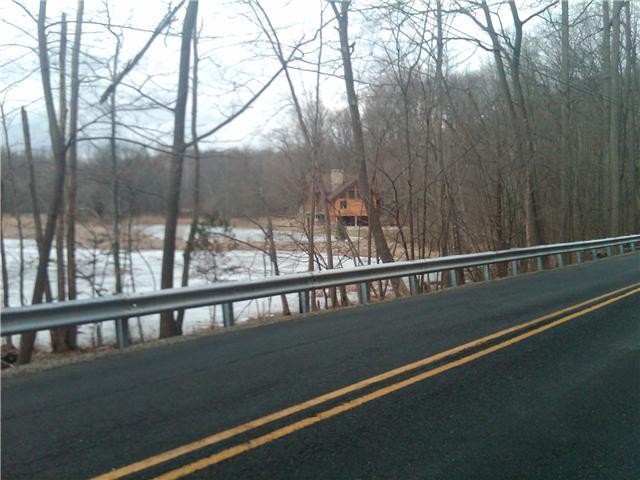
point(356, 402)
point(261, 421)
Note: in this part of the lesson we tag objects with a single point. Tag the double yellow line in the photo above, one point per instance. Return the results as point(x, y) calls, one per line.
point(532, 327)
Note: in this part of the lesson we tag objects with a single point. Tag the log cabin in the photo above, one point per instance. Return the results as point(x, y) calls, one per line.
point(343, 198)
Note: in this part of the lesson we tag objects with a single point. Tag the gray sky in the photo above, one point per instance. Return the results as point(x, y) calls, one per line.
point(236, 61)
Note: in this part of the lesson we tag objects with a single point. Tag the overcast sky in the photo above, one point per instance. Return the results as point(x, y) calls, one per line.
point(236, 62)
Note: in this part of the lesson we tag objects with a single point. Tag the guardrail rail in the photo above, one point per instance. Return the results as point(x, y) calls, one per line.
point(121, 307)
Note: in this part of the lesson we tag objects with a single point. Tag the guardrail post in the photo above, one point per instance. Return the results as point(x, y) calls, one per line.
point(227, 315)
point(559, 262)
point(122, 332)
point(413, 284)
point(633, 246)
point(486, 273)
point(621, 249)
point(363, 293)
point(514, 268)
point(609, 253)
point(452, 278)
point(303, 301)
point(578, 256)
point(539, 263)
point(594, 254)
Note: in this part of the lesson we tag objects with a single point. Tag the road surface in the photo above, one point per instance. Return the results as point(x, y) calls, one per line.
point(536, 376)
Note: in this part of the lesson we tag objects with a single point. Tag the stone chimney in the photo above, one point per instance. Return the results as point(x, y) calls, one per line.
point(337, 178)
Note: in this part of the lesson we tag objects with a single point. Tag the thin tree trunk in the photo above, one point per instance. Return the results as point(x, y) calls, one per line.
point(115, 195)
point(615, 119)
point(443, 186)
point(70, 333)
point(407, 145)
point(568, 208)
point(72, 187)
point(168, 325)
point(195, 214)
point(57, 334)
point(606, 97)
point(311, 246)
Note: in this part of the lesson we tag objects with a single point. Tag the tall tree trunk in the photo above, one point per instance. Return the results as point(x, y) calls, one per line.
point(195, 213)
point(311, 244)
point(606, 101)
point(568, 208)
point(407, 146)
point(382, 248)
point(615, 119)
point(443, 186)
point(57, 334)
point(122, 324)
point(72, 186)
point(168, 325)
point(55, 205)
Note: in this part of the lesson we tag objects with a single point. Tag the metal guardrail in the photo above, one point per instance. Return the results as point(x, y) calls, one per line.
point(78, 312)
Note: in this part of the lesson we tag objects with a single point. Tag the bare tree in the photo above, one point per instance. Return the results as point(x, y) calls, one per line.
point(311, 136)
point(168, 325)
point(615, 171)
point(164, 23)
point(195, 207)
point(122, 325)
point(55, 206)
point(72, 187)
point(58, 343)
point(569, 209)
point(342, 16)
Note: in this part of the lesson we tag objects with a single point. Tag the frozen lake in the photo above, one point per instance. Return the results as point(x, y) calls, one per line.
point(252, 235)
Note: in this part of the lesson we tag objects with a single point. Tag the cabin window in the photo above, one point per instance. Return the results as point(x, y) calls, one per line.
point(343, 203)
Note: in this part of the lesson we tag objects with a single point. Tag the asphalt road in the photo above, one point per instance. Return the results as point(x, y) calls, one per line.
point(557, 399)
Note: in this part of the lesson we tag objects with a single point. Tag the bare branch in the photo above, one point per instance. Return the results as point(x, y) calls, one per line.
point(164, 23)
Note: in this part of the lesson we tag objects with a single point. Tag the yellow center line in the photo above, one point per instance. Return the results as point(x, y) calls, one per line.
point(261, 421)
point(356, 402)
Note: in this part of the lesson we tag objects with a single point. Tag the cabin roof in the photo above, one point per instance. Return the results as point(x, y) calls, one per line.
point(348, 182)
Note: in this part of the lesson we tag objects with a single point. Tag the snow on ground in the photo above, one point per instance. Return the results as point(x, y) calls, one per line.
point(143, 274)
